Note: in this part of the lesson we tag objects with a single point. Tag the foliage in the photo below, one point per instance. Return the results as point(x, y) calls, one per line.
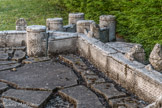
point(139, 21)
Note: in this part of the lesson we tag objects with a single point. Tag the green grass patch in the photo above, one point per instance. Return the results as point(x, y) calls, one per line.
point(34, 11)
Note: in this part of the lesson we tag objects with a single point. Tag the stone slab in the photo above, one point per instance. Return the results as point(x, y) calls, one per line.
point(7, 62)
point(83, 97)
point(3, 56)
point(35, 60)
point(32, 98)
point(43, 75)
point(8, 103)
point(19, 55)
point(127, 102)
point(3, 86)
point(107, 90)
point(9, 66)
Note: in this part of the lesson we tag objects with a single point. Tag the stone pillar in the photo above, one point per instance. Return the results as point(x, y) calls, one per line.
point(74, 17)
point(21, 24)
point(83, 25)
point(109, 22)
point(35, 36)
point(54, 24)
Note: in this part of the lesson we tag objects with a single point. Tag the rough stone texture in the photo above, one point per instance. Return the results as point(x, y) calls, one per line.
point(62, 44)
point(108, 90)
point(19, 55)
point(3, 56)
point(35, 60)
point(35, 36)
point(109, 22)
point(8, 103)
point(9, 66)
point(12, 38)
point(7, 62)
point(74, 17)
point(121, 47)
point(54, 24)
point(83, 24)
point(3, 86)
point(31, 98)
point(130, 74)
point(126, 102)
point(70, 28)
point(156, 104)
point(94, 30)
point(156, 57)
point(136, 53)
point(42, 76)
point(104, 36)
point(21, 24)
point(82, 97)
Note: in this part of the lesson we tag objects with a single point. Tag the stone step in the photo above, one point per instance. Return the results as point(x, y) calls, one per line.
point(23, 48)
point(31, 98)
point(35, 60)
point(3, 87)
point(3, 56)
point(81, 97)
point(9, 66)
point(8, 103)
point(7, 62)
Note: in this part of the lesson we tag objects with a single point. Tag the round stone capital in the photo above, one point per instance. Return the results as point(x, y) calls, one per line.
point(107, 17)
point(36, 28)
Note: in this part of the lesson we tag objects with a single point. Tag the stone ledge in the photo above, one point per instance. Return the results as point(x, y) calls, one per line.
point(130, 74)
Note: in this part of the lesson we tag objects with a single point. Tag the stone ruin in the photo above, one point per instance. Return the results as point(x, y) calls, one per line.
point(122, 62)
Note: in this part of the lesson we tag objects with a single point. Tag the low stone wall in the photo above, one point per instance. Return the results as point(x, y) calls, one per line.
point(12, 38)
point(131, 75)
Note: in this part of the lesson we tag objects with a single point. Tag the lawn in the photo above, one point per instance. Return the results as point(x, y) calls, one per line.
point(34, 11)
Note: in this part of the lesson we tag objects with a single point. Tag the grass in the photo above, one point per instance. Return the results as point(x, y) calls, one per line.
point(34, 11)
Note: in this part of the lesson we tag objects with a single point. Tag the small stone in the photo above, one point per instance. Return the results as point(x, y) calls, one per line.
point(137, 53)
point(19, 55)
point(21, 24)
point(156, 57)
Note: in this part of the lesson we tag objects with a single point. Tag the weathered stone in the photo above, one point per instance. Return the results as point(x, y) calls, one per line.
point(35, 36)
point(7, 62)
point(9, 66)
point(8, 103)
point(156, 104)
point(104, 36)
point(94, 30)
point(31, 98)
point(41, 75)
point(82, 97)
point(10, 52)
point(3, 86)
point(83, 24)
point(21, 24)
point(3, 56)
point(35, 60)
point(109, 22)
point(107, 90)
point(74, 17)
point(136, 53)
point(54, 24)
point(156, 57)
point(19, 55)
point(128, 102)
point(70, 28)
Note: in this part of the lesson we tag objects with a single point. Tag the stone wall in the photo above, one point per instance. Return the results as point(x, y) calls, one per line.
point(108, 57)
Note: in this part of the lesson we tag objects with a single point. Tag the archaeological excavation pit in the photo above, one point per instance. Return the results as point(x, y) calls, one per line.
point(79, 65)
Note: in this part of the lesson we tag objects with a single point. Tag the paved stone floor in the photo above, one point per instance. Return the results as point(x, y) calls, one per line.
point(66, 81)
